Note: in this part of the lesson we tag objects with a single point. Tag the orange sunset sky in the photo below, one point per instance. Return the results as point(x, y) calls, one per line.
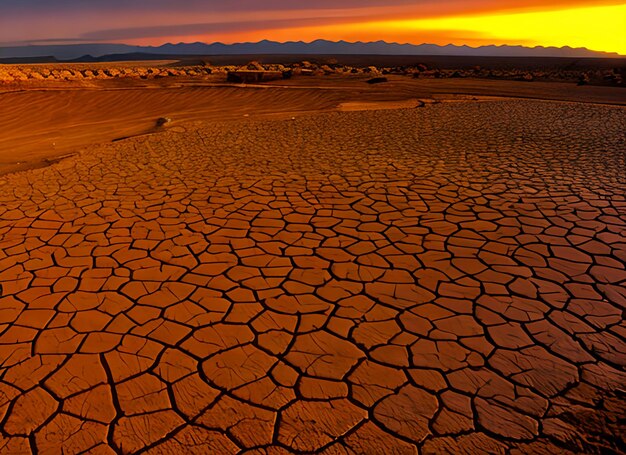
point(597, 25)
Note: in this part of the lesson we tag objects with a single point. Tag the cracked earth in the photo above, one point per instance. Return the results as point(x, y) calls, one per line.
point(448, 279)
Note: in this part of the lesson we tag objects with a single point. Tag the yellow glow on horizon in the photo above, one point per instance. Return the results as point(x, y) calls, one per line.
point(601, 28)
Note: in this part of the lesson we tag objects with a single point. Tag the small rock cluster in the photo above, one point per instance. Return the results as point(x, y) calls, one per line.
point(25, 73)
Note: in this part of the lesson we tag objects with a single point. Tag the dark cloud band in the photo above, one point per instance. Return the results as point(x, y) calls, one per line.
point(202, 28)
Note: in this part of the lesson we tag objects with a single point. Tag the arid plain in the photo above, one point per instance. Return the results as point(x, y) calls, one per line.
point(310, 265)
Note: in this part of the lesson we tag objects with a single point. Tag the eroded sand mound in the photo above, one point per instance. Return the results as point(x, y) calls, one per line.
point(448, 279)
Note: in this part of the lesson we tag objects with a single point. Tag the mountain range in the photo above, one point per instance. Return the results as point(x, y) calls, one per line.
point(318, 47)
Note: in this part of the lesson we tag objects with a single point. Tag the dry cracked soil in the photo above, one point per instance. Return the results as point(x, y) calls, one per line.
point(446, 279)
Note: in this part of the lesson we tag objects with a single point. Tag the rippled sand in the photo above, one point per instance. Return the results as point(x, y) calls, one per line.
point(42, 123)
point(445, 279)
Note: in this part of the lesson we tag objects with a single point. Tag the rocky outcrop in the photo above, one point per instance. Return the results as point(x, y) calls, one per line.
point(254, 72)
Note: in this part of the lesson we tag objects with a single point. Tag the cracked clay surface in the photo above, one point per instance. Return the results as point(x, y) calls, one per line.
point(440, 280)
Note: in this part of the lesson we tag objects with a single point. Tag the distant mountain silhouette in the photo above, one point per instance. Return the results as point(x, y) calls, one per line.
point(318, 47)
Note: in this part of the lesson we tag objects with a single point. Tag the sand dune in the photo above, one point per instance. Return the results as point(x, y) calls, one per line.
point(39, 125)
point(45, 124)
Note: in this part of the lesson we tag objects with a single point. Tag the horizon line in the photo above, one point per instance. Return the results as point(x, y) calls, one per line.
point(37, 43)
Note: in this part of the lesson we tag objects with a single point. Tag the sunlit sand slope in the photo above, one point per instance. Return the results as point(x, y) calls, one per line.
point(42, 124)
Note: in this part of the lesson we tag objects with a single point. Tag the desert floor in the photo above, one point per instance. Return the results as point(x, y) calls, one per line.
point(312, 278)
